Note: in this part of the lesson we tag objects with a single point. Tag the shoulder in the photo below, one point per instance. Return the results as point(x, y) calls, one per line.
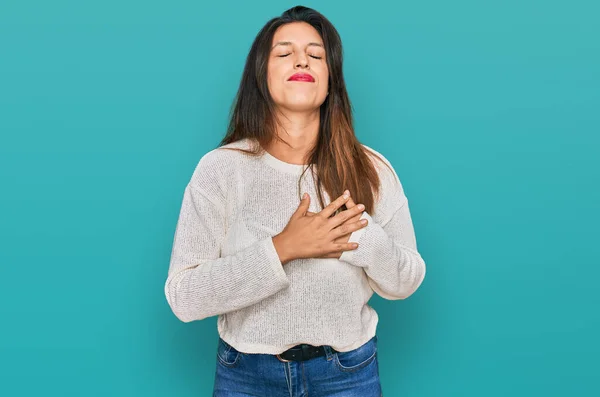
point(217, 168)
point(221, 161)
point(370, 151)
point(391, 191)
point(222, 157)
point(387, 174)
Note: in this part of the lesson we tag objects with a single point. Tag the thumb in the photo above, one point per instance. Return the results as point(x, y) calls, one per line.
point(303, 207)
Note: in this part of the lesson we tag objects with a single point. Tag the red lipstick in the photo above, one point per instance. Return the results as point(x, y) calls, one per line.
point(302, 77)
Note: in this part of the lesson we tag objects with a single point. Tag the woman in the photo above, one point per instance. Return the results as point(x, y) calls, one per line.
point(290, 279)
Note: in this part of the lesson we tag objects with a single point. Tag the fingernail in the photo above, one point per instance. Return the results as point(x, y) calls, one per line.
point(304, 196)
point(361, 207)
point(346, 194)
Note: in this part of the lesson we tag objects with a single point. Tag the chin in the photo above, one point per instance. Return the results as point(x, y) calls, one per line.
point(302, 104)
point(301, 107)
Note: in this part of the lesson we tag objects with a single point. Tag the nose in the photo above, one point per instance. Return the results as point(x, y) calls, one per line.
point(302, 61)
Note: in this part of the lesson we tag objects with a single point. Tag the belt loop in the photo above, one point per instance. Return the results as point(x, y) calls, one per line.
point(328, 353)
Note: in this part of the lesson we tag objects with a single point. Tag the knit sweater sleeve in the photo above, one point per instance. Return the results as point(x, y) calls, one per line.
point(387, 245)
point(201, 282)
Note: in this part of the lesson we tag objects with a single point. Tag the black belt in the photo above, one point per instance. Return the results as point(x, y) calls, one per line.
point(303, 352)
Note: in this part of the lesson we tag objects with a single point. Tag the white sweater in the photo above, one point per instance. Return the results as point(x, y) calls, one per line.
point(223, 261)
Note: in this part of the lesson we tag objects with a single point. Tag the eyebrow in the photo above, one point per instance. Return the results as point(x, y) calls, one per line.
point(290, 43)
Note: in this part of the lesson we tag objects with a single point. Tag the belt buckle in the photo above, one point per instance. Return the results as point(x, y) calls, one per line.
point(283, 360)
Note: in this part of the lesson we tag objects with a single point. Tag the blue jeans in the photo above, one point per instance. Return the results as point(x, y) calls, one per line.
point(341, 374)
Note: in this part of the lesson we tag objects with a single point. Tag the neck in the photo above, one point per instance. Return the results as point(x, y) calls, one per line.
point(300, 131)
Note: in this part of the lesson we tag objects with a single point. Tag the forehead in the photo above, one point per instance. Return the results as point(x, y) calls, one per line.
point(297, 33)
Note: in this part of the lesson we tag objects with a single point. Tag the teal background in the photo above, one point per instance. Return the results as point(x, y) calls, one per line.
point(490, 114)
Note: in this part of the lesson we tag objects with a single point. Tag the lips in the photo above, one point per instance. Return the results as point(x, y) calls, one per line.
point(302, 77)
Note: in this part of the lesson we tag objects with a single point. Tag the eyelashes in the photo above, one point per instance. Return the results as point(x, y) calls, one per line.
point(312, 56)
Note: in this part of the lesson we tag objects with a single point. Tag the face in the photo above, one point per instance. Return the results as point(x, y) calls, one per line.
point(297, 72)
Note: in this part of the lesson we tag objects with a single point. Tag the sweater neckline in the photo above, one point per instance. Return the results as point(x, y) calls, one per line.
point(281, 165)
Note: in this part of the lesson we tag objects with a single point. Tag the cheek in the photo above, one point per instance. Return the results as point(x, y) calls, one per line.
point(323, 73)
point(324, 81)
point(274, 79)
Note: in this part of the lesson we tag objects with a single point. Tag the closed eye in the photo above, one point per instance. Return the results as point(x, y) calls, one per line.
point(312, 56)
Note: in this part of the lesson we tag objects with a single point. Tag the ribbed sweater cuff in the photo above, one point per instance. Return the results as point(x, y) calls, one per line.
point(279, 275)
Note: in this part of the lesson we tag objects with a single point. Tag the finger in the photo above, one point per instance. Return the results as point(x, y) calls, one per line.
point(342, 239)
point(334, 205)
point(303, 206)
point(355, 218)
point(339, 249)
point(350, 203)
point(349, 228)
point(332, 255)
point(344, 216)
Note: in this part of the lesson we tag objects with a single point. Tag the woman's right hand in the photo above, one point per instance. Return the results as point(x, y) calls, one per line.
point(312, 236)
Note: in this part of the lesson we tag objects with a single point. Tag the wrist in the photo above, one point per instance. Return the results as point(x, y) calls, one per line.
point(282, 248)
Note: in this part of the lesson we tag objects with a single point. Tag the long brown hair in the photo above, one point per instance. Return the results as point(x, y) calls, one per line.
point(341, 161)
